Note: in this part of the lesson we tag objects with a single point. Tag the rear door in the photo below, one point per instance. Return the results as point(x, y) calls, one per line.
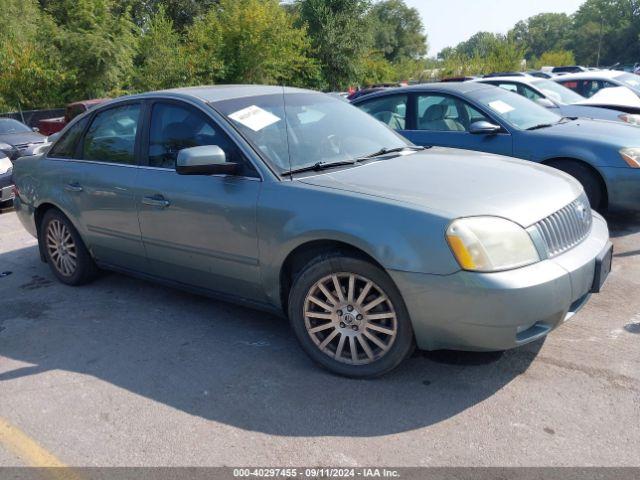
point(198, 230)
point(444, 120)
point(102, 186)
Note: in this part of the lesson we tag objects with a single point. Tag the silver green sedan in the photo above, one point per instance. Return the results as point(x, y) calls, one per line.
point(301, 204)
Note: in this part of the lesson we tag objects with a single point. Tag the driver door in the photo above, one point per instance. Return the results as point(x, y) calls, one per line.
point(198, 230)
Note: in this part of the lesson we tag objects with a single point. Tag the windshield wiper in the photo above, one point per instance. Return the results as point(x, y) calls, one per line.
point(542, 125)
point(319, 166)
point(386, 151)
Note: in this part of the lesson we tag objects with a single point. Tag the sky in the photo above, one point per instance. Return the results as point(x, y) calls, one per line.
point(449, 22)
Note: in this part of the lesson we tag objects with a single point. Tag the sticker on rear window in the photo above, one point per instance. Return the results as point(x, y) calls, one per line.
point(501, 107)
point(254, 117)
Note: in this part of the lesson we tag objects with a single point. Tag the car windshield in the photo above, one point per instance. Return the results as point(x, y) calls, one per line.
point(9, 125)
point(515, 110)
point(557, 92)
point(630, 80)
point(298, 130)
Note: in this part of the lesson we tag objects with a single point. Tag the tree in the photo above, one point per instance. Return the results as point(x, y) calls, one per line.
point(251, 41)
point(555, 58)
point(97, 48)
point(30, 76)
point(542, 33)
point(162, 60)
point(606, 32)
point(340, 37)
point(398, 31)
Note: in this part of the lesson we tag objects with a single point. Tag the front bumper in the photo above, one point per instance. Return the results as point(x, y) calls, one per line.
point(6, 187)
point(498, 311)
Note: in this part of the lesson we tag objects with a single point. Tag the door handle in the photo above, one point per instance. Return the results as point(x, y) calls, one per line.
point(73, 187)
point(156, 201)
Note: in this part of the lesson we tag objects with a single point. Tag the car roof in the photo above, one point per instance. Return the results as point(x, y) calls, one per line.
point(446, 87)
point(528, 79)
point(597, 74)
point(216, 93)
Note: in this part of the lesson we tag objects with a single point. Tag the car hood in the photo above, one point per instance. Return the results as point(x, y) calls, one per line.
point(617, 134)
point(21, 138)
point(459, 183)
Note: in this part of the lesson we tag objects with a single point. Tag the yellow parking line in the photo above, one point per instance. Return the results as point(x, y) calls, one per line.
point(32, 454)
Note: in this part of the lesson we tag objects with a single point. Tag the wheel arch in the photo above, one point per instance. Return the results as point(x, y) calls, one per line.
point(552, 162)
point(302, 254)
point(39, 214)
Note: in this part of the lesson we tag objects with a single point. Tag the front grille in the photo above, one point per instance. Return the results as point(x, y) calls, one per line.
point(567, 227)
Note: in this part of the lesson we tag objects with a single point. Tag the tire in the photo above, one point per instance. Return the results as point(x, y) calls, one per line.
point(590, 182)
point(64, 250)
point(381, 333)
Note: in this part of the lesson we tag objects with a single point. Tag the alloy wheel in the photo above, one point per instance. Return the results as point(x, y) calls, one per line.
point(61, 248)
point(350, 318)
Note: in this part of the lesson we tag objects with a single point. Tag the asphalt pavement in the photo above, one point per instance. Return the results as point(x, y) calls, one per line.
point(124, 372)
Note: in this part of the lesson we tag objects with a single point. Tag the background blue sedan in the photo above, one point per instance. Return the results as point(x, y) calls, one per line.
point(603, 156)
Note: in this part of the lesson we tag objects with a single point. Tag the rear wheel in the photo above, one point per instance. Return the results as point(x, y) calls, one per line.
point(349, 317)
point(590, 182)
point(64, 250)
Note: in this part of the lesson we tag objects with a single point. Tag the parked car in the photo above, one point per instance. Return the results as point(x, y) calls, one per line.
point(567, 69)
point(457, 79)
point(49, 126)
point(566, 102)
point(6, 184)
point(588, 84)
point(16, 138)
point(299, 203)
point(539, 74)
point(603, 156)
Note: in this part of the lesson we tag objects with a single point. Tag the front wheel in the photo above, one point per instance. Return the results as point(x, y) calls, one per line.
point(349, 317)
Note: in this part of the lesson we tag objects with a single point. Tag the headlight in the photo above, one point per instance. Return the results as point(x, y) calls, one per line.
point(630, 118)
point(5, 146)
point(490, 244)
point(631, 156)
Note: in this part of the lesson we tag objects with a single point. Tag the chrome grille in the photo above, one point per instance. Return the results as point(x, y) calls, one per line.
point(567, 227)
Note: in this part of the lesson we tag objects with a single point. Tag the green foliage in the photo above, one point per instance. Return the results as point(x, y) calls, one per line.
point(162, 60)
point(482, 54)
point(398, 31)
point(98, 48)
point(57, 51)
point(340, 38)
point(555, 57)
point(542, 33)
point(251, 41)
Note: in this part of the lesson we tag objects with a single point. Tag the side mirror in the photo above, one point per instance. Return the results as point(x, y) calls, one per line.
point(35, 129)
point(546, 103)
point(484, 128)
point(205, 160)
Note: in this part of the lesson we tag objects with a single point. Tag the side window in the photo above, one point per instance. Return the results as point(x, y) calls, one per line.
point(572, 84)
point(528, 92)
point(112, 135)
point(66, 146)
point(509, 86)
point(175, 127)
point(591, 87)
point(446, 114)
point(391, 111)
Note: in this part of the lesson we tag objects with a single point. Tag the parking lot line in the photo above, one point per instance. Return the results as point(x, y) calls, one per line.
point(31, 453)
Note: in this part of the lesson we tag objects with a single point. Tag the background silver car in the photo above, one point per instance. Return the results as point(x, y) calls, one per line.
point(299, 203)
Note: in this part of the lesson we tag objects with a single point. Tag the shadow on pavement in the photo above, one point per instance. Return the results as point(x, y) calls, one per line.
point(623, 224)
point(224, 363)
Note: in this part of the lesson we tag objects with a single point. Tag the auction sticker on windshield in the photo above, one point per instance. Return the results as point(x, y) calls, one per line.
point(500, 106)
point(254, 117)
